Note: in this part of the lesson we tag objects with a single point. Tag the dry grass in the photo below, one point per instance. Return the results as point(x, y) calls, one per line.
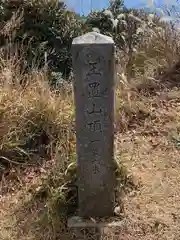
point(37, 151)
point(35, 195)
point(36, 158)
point(151, 153)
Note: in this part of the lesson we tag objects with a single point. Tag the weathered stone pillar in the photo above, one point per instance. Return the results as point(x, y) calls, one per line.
point(93, 65)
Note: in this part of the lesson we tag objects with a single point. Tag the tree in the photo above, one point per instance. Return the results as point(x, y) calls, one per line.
point(126, 26)
point(45, 27)
point(116, 7)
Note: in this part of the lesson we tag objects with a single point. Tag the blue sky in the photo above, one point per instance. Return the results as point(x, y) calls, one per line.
point(84, 6)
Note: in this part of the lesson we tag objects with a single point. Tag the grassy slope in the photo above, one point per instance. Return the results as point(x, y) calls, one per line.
point(33, 199)
point(36, 193)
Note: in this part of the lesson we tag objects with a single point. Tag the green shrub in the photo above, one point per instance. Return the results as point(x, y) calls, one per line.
point(43, 30)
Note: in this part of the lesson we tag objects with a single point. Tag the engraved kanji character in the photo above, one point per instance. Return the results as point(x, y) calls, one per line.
point(95, 169)
point(94, 89)
point(94, 149)
point(93, 68)
point(95, 126)
point(94, 110)
point(95, 141)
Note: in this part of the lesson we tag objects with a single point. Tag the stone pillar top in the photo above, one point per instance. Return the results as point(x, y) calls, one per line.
point(93, 38)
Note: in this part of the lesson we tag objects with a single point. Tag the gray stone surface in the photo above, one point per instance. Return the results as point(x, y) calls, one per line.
point(93, 65)
point(77, 222)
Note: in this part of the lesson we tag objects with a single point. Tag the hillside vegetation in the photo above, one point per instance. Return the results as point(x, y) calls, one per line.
point(37, 134)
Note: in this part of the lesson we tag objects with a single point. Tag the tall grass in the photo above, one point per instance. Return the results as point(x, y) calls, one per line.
point(37, 135)
point(35, 121)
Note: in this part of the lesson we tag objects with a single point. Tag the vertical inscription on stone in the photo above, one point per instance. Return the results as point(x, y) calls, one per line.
point(94, 89)
point(93, 65)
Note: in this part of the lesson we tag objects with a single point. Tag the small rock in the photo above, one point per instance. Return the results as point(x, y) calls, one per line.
point(117, 210)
